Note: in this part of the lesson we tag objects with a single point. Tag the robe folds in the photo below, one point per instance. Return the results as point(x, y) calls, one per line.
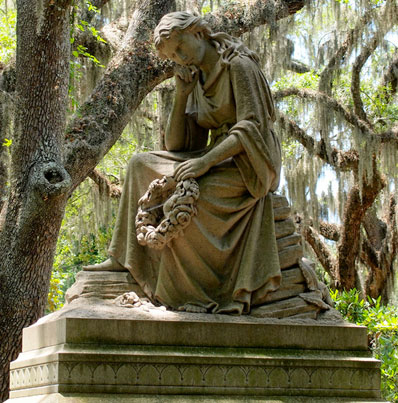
point(227, 259)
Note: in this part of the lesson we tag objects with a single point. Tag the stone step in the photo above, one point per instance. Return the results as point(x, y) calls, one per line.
point(287, 241)
point(290, 256)
point(284, 228)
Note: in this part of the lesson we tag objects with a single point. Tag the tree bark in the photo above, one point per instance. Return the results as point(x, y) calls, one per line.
point(349, 245)
point(38, 180)
point(3, 149)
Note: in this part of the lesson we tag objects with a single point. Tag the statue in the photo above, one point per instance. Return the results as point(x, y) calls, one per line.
point(221, 135)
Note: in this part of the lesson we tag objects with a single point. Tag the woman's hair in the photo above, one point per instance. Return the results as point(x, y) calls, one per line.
point(226, 45)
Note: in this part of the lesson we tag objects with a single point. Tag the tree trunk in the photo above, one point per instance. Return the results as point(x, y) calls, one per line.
point(38, 180)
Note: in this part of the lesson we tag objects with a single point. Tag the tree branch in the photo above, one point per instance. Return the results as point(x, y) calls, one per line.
point(369, 256)
point(329, 231)
point(389, 82)
point(325, 82)
point(114, 32)
point(358, 202)
point(381, 261)
point(344, 161)
point(328, 101)
point(390, 136)
point(135, 71)
point(105, 185)
point(390, 9)
point(356, 80)
point(297, 66)
point(236, 20)
point(321, 250)
point(130, 76)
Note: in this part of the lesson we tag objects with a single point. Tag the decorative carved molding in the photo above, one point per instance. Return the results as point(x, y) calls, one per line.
point(260, 378)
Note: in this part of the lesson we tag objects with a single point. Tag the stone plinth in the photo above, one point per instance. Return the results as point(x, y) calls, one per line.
point(92, 351)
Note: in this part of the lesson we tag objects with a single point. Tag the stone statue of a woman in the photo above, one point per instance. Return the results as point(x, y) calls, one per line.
point(220, 132)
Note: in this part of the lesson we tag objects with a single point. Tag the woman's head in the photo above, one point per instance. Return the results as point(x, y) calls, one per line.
point(179, 21)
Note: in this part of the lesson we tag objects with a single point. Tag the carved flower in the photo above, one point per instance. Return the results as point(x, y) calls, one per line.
point(164, 226)
point(183, 218)
point(155, 240)
point(141, 239)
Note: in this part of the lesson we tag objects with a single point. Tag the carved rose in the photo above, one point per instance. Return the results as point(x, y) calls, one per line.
point(183, 218)
point(156, 240)
point(141, 239)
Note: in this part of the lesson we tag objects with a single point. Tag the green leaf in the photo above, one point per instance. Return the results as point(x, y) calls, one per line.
point(7, 142)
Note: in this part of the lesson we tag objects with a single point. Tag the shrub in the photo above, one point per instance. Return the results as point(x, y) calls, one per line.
point(382, 324)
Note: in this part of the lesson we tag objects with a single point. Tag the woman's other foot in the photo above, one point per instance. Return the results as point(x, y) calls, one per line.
point(110, 264)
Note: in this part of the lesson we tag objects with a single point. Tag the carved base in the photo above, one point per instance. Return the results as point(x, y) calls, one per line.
point(112, 354)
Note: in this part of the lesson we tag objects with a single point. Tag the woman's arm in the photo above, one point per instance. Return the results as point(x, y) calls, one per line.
point(176, 127)
point(199, 166)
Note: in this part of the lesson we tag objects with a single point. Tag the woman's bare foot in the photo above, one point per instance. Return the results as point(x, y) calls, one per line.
point(192, 308)
point(110, 264)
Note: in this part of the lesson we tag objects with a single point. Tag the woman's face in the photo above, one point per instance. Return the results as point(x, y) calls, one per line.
point(185, 48)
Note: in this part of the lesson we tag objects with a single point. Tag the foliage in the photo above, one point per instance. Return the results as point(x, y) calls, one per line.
point(382, 324)
point(72, 253)
point(8, 40)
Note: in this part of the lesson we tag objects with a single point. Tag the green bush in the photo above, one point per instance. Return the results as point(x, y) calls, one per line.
point(382, 324)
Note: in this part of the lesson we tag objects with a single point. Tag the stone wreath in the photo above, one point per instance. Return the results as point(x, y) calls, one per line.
point(165, 210)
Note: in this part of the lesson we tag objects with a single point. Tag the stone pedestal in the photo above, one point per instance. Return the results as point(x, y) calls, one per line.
point(293, 348)
point(93, 351)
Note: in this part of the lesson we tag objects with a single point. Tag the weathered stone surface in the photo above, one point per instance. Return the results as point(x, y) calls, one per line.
point(290, 256)
point(315, 298)
point(284, 308)
point(289, 240)
point(285, 291)
point(100, 321)
point(90, 349)
point(309, 274)
point(292, 276)
point(284, 228)
point(279, 201)
point(102, 284)
point(282, 213)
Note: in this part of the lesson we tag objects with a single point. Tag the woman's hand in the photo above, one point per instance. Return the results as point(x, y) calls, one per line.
point(186, 79)
point(191, 169)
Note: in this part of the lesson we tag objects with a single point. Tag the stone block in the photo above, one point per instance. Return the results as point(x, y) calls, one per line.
point(284, 228)
point(292, 276)
point(102, 284)
point(282, 213)
point(289, 240)
point(284, 308)
point(285, 291)
point(290, 256)
point(279, 201)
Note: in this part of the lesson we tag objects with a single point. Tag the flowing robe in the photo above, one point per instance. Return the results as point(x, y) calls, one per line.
point(227, 259)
